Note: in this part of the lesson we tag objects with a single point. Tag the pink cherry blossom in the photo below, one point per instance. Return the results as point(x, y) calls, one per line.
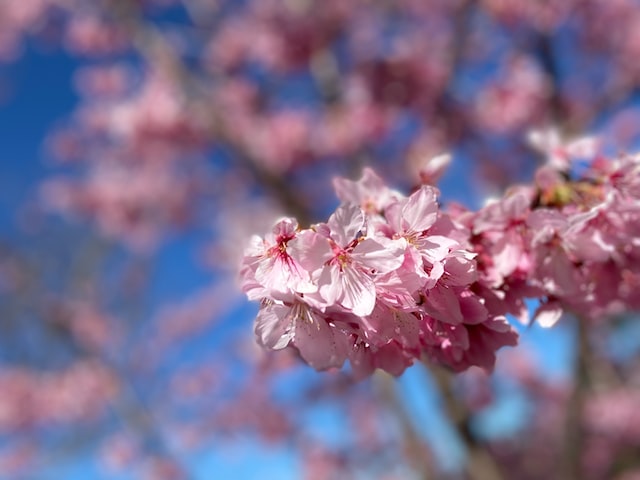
point(391, 286)
point(346, 268)
point(558, 153)
point(369, 192)
point(320, 344)
point(270, 265)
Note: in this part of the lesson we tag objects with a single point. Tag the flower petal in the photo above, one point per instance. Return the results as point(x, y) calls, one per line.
point(358, 291)
point(548, 314)
point(345, 223)
point(320, 345)
point(381, 255)
point(273, 326)
point(421, 209)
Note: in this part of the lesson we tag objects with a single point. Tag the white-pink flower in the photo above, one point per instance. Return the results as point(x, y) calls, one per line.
point(268, 268)
point(320, 344)
point(370, 192)
point(345, 261)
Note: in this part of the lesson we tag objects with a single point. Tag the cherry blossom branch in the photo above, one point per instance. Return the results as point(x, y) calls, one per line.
point(416, 447)
point(53, 316)
point(574, 441)
point(153, 45)
point(454, 118)
point(480, 464)
point(546, 54)
point(132, 409)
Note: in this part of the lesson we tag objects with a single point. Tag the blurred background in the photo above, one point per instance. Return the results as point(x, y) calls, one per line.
point(142, 142)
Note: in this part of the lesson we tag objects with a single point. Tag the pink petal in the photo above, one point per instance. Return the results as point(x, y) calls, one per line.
point(548, 314)
point(393, 215)
point(421, 209)
point(442, 304)
point(472, 308)
point(345, 223)
point(435, 274)
point(507, 253)
point(358, 291)
point(369, 192)
point(392, 359)
point(434, 168)
point(407, 327)
point(460, 268)
point(330, 285)
point(381, 255)
point(274, 326)
point(320, 345)
point(310, 249)
point(286, 227)
point(378, 330)
point(435, 248)
point(270, 273)
point(397, 287)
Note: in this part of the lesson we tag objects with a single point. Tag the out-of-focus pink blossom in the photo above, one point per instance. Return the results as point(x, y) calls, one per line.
point(34, 399)
point(433, 168)
point(154, 198)
point(369, 192)
point(108, 81)
point(90, 327)
point(558, 153)
point(90, 35)
point(119, 451)
point(514, 100)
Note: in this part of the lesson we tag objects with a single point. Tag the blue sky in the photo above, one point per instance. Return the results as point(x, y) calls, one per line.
point(35, 94)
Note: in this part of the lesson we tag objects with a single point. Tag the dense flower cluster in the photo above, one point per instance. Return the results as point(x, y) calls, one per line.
point(568, 240)
point(390, 279)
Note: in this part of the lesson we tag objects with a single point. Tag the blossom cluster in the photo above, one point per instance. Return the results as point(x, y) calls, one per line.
point(569, 241)
point(388, 279)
